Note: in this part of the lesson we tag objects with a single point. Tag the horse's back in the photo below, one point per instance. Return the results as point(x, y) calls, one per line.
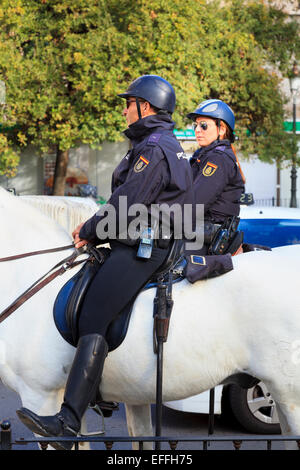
point(283, 257)
point(288, 250)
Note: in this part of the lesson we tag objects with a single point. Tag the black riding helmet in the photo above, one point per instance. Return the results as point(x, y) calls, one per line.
point(154, 89)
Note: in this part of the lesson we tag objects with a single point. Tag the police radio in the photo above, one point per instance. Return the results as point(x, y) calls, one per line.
point(224, 236)
point(146, 244)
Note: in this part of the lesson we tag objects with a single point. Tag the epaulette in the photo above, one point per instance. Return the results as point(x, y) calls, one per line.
point(154, 139)
point(227, 151)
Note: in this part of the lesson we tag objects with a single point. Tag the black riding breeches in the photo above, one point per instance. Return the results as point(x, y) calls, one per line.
point(117, 282)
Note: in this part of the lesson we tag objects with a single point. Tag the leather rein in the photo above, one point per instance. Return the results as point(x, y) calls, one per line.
point(33, 253)
point(60, 268)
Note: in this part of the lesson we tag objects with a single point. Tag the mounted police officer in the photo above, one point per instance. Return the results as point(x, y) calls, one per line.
point(152, 172)
point(218, 178)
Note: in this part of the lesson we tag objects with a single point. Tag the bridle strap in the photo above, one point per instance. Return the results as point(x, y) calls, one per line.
point(33, 253)
point(65, 264)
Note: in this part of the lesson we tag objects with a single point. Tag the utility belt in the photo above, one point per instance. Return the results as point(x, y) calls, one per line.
point(219, 237)
point(149, 238)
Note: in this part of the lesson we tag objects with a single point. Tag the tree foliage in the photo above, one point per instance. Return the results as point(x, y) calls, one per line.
point(9, 158)
point(64, 62)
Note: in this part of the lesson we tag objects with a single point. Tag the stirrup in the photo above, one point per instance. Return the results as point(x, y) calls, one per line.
point(95, 433)
point(107, 407)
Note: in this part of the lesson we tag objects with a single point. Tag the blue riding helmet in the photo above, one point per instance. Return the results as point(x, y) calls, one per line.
point(154, 89)
point(215, 109)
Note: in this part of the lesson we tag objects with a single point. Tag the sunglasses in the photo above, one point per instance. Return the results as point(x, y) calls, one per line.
point(203, 125)
point(128, 103)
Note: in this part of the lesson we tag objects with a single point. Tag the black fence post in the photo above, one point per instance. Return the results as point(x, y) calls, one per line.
point(5, 435)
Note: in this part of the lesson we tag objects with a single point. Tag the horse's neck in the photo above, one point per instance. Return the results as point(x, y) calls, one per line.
point(25, 228)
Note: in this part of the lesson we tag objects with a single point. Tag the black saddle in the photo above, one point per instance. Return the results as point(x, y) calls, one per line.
point(67, 305)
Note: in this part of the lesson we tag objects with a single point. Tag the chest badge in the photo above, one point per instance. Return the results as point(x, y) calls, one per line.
point(141, 164)
point(209, 169)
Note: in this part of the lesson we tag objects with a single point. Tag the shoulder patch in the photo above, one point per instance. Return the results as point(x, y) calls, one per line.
point(141, 164)
point(209, 169)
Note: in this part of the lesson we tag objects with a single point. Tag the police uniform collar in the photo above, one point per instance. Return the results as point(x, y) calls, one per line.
point(142, 127)
point(214, 145)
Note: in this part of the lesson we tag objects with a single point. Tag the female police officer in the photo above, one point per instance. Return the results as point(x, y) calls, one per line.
point(218, 178)
point(152, 172)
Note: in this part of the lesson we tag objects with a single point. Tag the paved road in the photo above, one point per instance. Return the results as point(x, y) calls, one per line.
point(175, 423)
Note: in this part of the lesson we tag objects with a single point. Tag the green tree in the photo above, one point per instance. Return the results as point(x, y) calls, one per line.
point(59, 63)
point(65, 61)
point(9, 158)
point(260, 101)
point(212, 51)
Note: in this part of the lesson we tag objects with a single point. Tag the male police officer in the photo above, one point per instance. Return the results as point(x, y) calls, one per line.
point(152, 172)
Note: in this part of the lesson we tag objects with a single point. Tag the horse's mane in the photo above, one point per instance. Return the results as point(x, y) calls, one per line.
point(22, 213)
point(68, 211)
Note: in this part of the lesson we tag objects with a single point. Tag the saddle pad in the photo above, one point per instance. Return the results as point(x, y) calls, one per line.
point(69, 300)
point(59, 310)
point(66, 310)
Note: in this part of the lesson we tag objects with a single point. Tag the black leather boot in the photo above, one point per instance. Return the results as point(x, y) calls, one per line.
point(82, 383)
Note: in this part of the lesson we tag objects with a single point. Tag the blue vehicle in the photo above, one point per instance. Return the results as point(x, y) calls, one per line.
point(270, 226)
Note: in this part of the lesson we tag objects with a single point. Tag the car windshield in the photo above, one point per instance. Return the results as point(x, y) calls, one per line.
point(271, 232)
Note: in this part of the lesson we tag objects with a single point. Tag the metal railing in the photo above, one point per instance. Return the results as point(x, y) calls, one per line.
point(7, 443)
point(274, 202)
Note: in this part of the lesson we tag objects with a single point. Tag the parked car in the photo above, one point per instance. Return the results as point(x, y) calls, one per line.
point(253, 408)
point(271, 226)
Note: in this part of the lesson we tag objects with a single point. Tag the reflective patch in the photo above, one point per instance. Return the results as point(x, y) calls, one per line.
point(182, 155)
point(195, 259)
point(141, 164)
point(209, 169)
point(210, 107)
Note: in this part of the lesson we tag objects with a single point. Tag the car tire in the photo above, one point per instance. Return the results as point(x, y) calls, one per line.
point(253, 408)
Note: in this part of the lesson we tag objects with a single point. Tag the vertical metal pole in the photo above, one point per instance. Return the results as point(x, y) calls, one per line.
point(159, 327)
point(158, 409)
point(5, 436)
point(294, 168)
point(278, 195)
point(211, 416)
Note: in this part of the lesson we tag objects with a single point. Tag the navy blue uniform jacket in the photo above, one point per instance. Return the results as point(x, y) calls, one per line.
point(154, 171)
point(217, 181)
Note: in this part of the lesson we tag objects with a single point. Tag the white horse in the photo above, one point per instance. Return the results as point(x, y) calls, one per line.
point(213, 333)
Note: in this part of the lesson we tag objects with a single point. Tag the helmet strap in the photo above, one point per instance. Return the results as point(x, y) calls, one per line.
point(138, 107)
